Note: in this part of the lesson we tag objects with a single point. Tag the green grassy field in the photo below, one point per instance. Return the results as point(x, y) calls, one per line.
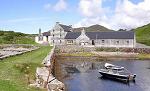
point(143, 34)
point(11, 37)
point(14, 70)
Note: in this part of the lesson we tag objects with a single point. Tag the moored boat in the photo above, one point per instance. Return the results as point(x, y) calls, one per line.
point(116, 72)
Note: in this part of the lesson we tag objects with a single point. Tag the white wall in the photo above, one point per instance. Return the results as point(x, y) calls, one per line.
point(37, 40)
point(109, 42)
point(59, 35)
point(113, 43)
point(45, 40)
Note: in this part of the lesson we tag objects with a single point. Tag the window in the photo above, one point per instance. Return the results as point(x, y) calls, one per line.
point(117, 42)
point(127, 42)
point(69, 41)
point(46, 38)
point(103, 41)
point(40, 38)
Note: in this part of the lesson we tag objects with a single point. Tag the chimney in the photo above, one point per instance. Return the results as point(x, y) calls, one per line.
point(83, 31)
point(57, 22)
point(39, 31)
point(71, 29)
point(70, 26)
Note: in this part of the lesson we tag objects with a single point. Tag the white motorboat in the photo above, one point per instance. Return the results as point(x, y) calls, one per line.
point(116, 72)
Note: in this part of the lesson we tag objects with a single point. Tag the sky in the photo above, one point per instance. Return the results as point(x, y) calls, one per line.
point(28, 16)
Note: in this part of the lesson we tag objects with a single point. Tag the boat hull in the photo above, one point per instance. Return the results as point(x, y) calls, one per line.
point(113, 76)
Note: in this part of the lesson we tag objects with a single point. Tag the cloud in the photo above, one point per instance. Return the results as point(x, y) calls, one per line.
point(129, 15)
point(93, 13)
point(90, 8)
point(60, 5)
point(126, 14)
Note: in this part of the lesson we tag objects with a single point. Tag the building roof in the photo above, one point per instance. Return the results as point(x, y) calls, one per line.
point(46, 34)
point(72, 35)
point(66, 28)
point(103, 35)
point(111, 35)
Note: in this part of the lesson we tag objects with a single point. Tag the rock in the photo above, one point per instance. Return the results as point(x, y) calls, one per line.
point(56, 85)
point(44, 77)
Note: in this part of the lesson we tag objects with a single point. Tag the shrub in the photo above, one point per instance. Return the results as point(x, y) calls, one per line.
point(8, 37)
point(1, 33)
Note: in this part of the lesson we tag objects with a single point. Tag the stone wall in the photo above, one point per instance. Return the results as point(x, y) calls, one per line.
point(133, 50)
point(15, 49)
point(45, 77)
point(74, 49)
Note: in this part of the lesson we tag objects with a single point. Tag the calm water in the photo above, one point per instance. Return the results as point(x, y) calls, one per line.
point(82, 75)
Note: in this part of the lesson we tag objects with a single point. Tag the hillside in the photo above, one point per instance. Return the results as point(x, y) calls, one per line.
point(93, 28)
point(143, 34)
point(11, 37)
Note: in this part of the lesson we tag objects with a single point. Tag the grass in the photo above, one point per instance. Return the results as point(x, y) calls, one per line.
point(24, 40)
point(143, 34)
point(143, 56)
point(14, 70)
point(11, 37)
point(143, 40)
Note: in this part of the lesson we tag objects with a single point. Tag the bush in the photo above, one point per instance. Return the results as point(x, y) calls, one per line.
point(11, 37)
point(8, 37)
point(1, 33)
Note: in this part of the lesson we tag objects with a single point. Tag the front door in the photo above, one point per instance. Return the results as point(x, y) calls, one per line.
point(46, 38)
point(93, 43)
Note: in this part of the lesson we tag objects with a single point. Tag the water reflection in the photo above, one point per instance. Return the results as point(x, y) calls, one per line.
point(85, 77)
point(82, 67)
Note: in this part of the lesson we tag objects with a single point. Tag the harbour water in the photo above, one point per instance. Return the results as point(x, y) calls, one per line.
point(81, 74)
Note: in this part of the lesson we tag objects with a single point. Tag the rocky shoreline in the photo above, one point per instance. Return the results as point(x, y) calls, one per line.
point(45, 77)
point(102, 52)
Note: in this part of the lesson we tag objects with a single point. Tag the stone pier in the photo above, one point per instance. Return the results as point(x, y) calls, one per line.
point(44, 76)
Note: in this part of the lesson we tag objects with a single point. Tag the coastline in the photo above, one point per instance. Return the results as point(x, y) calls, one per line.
point(103, 52)
point(107, 55)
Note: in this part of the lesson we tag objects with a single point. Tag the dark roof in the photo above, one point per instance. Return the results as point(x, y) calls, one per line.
point(111, 35)
point(103, 35)
point(72, 35)
point(46, 34)
point(66, 28)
